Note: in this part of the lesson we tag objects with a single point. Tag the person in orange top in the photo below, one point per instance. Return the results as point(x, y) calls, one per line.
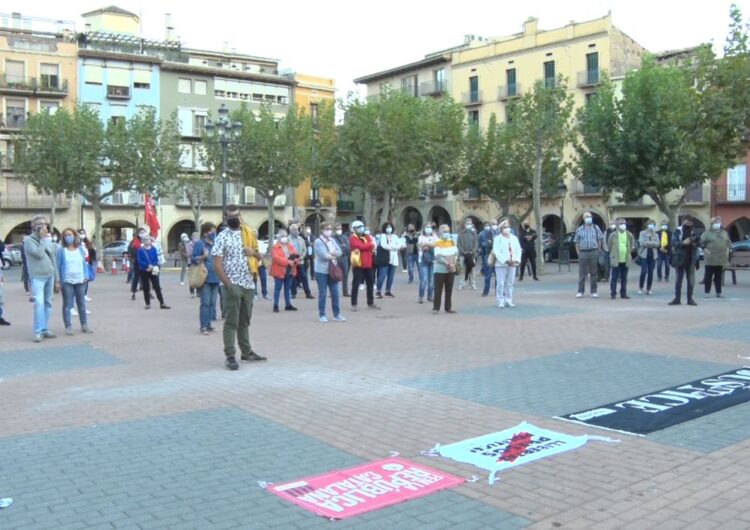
point(284, 261)
point(362, 244)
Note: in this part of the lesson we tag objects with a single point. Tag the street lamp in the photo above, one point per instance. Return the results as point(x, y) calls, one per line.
point(224, 132)
point(563, 189)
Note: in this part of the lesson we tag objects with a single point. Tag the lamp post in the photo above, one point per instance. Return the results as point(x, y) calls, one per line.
point(223, 132)
point(562, 188)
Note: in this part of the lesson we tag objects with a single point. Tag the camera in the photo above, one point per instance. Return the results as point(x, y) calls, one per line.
point(293, 256)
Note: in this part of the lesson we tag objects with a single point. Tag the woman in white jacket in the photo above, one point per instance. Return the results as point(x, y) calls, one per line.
point(507, 252)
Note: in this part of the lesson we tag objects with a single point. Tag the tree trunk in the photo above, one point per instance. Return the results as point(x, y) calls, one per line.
point(96, 205)
point(271, 219)
point(537, 205)
point(385, 215)
point(670, 211)
point(197, 216)
point(52, 211)
point(368, 208)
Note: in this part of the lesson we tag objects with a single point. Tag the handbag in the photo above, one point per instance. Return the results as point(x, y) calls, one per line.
point(382, 257)
point(335, 273)
point(90, 272)
point(638, 260)
point(197, 275)
point(356, 258)
point(491, 259)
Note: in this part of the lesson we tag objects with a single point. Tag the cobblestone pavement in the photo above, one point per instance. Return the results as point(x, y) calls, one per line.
point(140, 426)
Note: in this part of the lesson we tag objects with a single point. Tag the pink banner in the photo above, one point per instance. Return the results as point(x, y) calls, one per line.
point(357, 490)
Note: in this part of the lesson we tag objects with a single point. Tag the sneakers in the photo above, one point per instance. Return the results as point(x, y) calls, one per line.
point(4, 322)
point(164, 306)
point(388, 293)
point(510, 303)
point(339, 318)
point(675, 302)
point(378, 295)
point(420, 301)
point(38, 337)
point(718, 295)
point(474, 287)
point(231, 363)
point(649, 293)
point(579, 295)
point(209, 328)
point(290, 308)
point(86, 329)
point(460, 286)
point(594, 295)
point(252, 357)
point(147, 307)
point(68, 331)
point(182, 283)
point(275, 309)
point(354, 309)
point(625, 297)
point(87, 298)
point(204, 331)
point(74, 312)
point(323, 319)
point(266, 298)
point(707, 295)
point(451, 311)
point(640, 291)
point(613, 296)
point(48, 334)
point(691, 302)
point(373, 306)
point(132, 296)
point(310, 297)
point(501, 305)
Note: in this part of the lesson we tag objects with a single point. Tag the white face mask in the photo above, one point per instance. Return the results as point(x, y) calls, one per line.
point(506, 230)
point(445, 235)
point(327, 233)
point(428, 230)
point(339, 232)
point(284, 240)
point(623, 227)
point(494, 227)
point(651, 227)
point(664, 227)
point(612, 227)
point(82, 237)
point(367, 232)
point(588, 220)
point(716, 226)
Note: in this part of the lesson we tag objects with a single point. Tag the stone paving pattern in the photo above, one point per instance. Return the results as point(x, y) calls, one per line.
point(140, 426)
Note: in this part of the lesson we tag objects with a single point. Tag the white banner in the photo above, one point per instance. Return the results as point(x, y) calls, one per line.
point(512, 447)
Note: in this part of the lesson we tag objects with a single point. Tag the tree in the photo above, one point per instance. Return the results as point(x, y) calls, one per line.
point(271, 154)
point(388, 146)
point(197, 190)
point(674, 126)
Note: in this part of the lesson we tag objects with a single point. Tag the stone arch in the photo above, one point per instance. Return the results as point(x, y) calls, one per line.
point(440, 216)
point(114, 230)
point(411, 215)
point(18, 232)
point(739, 229)
point(179, 227)
point(263, 228)
point(551, 225)
point(599, 219)
point(699, 221)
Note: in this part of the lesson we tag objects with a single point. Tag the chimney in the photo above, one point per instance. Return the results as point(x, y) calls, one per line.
point(168, 27)
point(531, 26)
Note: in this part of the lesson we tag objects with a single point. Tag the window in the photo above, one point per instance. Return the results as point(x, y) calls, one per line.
point(117, 119)
point(201, 87)
point(96, 107)
point(199, 123)
point(510, 81)
point(737, 183)
point(15, 113)
point(142, 79)
point(409, 85)
point(474, 89)
point(314, 111)
point(589, 97)
point(185, 118)
point(49, 77)
point(592, 68)
point(92, 74)
point(549, 74)
point(15, 71)
point(510, 109)
point(439, 78)
point(184, 86)
point(118, 77)
point(49, 106)
point(117, 113)
point(473, 117)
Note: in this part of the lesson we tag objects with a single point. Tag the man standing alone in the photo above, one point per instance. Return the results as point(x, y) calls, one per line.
point(588, 241)
point(232, 268)
point(528, 246)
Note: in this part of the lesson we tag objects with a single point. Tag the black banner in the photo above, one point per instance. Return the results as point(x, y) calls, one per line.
point(670, 406)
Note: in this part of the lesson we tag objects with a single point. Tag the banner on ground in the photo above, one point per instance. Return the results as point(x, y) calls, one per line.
point(357, 490)
point(512, 447)
point(664, 408)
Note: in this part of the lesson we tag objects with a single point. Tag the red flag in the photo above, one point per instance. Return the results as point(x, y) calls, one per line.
point(150, 216)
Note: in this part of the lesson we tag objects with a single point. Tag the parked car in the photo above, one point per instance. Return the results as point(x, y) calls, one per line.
point(11, 256)
point(742, 246)
point(115, 249)
point(552, 250)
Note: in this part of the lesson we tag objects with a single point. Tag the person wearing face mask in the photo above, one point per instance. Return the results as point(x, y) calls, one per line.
point(327, 252)
point(716, 245)
point(664, 253)
point(684, 260)
point(91, 261)
point(148, 265)
point(306, 233)
point(468, 248)
point(508, 252)
point(411, 240)
point(284, 261)
point(362, 245)
point(300, 245)
point(426, 244)
point(72, 270)
point(588, 240)
point(621, 243)
point(184, 256)
point(605, 271)
point(189, 246)
point(528, 246)
point(43, 274)
point(209, 291)
point(386, 259)
point(133, 248)
point(343, 241)
point(446, 259)
point(648, 247)
point(231, 261)
point(486, 239)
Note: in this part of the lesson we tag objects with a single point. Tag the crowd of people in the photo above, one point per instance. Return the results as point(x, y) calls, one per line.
point(226, 266)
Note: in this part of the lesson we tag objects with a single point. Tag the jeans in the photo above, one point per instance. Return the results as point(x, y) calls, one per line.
point(263, 281)
point(588, 263)
point(183, 269)
point(208, 293)
point(385, 271)
point(688, 273)
point(366, 276)
point(488, 273)
point(469, 271)
point(324, 285)
point(647, 273)
point(426, 281)
point(344, 263)
point(412, 262)
point(136, 278)
point(715, 272)
point(621, 272)
point(146, 279)
point(42, 290)
point(662, 259)
point(239, 310)
point(506, 276)
point(74, 292)
point(286, 285)
point(443, 280)
point(301, 280)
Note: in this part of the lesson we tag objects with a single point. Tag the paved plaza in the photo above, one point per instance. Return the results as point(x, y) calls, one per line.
point(140, 425)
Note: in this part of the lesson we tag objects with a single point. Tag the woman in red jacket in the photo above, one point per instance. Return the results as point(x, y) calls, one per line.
point(284, 260)
point(363, 244)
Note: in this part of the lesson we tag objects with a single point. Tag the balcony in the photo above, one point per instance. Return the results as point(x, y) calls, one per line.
point(473, 97)
point(49, 86)
point(437, 189)
point(737, 191)
point(24, 201)
point(13, 121)
point(345, 206)
point(433, 88)
point(118, 92)
point(588, 78)
point(509, 91)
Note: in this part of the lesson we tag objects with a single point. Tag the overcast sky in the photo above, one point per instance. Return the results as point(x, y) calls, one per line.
point(345, 39)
